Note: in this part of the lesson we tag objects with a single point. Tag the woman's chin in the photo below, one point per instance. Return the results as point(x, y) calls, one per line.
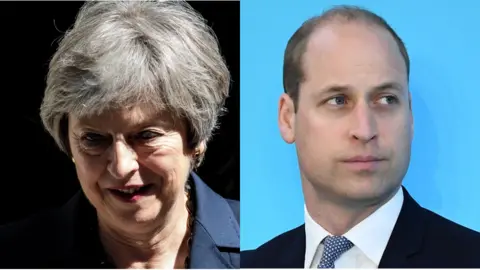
point(135, 215)
point(137, 220)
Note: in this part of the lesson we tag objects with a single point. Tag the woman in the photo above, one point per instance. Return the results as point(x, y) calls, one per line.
point(133, 94)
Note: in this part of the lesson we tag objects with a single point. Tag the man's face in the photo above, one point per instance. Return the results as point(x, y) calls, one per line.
point(353, 126)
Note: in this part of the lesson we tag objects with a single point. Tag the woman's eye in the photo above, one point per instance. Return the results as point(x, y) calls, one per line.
point(148, 135)
point(93, 139)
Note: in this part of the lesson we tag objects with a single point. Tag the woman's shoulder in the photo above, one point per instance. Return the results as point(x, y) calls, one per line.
point(27, 226)
point(44, 238)
point(27, 241)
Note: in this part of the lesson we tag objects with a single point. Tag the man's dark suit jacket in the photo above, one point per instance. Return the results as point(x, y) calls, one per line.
point(68, 237)
point(420, 239)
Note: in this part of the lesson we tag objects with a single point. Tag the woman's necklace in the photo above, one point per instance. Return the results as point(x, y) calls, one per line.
point(191, 218)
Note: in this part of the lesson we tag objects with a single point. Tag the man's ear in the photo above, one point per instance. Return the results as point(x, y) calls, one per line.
point(411, 115)
point(286, 118)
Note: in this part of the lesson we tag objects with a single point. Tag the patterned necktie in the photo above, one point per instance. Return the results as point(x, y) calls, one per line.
point(334, 246)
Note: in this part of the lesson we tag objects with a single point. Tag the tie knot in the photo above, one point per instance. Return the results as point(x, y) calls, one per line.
point(334, 246)
point(340, 243)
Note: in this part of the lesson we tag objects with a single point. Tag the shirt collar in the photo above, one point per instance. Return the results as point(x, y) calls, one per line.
point(370, 235)
point(314, 235)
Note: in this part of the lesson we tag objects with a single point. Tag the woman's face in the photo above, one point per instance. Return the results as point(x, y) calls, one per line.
point(132, 164)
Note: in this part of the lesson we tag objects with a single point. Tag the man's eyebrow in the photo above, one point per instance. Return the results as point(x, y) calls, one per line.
point(345, 88)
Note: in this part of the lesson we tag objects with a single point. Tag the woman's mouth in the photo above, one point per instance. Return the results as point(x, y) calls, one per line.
point(132, 193)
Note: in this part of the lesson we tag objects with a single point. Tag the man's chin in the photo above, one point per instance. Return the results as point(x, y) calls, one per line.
point(366, 194)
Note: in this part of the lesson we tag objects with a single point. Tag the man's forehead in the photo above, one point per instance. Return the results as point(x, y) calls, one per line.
point(328, 36)
point(347, 47)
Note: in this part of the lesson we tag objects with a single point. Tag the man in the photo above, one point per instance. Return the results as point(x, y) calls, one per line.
point(347, 108)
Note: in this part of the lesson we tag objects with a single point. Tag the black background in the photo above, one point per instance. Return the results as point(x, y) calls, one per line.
point(35, 174)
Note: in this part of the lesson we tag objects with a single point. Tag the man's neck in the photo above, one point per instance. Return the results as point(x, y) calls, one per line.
point(157, 248)
point(336, 215)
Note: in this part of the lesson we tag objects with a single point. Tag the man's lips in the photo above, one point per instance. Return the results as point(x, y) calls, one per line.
point(364, 159)
point(363, 163)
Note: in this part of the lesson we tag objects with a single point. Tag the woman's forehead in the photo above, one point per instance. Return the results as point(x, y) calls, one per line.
point(124, 118)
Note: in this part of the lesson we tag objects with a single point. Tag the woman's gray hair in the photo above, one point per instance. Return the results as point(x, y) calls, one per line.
point(124, 53)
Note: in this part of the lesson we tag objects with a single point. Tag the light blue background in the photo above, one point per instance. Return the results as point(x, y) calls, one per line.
point(443, 41)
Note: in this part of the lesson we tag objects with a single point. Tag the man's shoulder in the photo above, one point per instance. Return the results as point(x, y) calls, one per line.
point(282, 240)
point(444, 243)
point(450, 233)
point(430, 240)
point(268, 254)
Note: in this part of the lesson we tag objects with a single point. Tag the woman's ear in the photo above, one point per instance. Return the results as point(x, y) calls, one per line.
point(198, 154)
point(200, 149)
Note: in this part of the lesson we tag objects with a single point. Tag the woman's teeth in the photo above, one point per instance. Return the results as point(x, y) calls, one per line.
point(129, 191)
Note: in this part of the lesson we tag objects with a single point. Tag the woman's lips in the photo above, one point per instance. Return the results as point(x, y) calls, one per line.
point(132, 193)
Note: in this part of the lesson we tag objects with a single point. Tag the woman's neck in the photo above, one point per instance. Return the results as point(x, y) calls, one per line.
point(165, 246)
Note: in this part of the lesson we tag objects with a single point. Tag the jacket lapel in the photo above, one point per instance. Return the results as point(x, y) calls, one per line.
point(406, 238)
point(216, 233)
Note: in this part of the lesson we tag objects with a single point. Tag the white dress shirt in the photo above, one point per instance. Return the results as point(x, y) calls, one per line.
point(370, 237)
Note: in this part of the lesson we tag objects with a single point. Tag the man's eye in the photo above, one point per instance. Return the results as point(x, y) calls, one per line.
point(388, 100)
point(338, 100)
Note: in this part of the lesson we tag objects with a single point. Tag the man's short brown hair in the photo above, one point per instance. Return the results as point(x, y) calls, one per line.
point(293, 74)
